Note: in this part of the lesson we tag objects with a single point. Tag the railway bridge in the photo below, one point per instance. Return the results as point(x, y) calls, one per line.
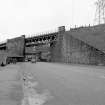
point(82, 45)
point(38, 47)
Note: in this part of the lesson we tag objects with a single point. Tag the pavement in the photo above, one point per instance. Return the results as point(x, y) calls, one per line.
point(52, 84)
point(11, 91)
point(69, 84)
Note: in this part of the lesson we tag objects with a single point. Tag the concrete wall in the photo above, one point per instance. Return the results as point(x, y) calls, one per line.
point(56, 49)
point(71, 50)
point(16, 46)
point(74, 51)
point(3, 56)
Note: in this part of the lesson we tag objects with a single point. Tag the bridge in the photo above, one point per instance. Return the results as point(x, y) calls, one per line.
point(40, 45)
point(83, 45)
point(30, 47)
point(43, 39)
point(37, 40)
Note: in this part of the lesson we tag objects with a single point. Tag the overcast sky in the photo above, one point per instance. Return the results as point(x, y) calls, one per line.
point(18, 17)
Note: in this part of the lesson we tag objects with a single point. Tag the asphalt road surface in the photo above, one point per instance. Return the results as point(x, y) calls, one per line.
point(69, 84)
point(11, 91)
point(61, 84)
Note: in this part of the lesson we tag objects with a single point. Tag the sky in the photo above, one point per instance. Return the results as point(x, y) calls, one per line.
point(29, 17)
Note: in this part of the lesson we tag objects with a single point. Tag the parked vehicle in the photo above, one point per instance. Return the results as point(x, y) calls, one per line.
point(33, 60)
point(26, 60)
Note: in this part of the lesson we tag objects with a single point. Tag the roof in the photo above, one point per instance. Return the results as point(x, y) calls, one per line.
point(93, 36)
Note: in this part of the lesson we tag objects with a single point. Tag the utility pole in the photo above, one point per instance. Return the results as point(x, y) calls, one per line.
point(103, 10)
point(100, 11)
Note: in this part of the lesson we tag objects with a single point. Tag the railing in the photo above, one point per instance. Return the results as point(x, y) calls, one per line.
point(42, 33)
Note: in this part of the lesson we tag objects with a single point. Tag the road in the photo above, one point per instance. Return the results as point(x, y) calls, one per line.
point(61, 84)
point(11, 91)
point(70, 84)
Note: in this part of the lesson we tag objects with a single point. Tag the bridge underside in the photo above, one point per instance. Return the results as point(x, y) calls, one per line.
point(39, 47)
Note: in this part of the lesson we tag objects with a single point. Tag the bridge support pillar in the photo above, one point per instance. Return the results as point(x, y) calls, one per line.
point(56, 47)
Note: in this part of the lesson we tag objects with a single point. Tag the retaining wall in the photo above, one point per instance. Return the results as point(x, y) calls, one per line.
point(71, 50)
